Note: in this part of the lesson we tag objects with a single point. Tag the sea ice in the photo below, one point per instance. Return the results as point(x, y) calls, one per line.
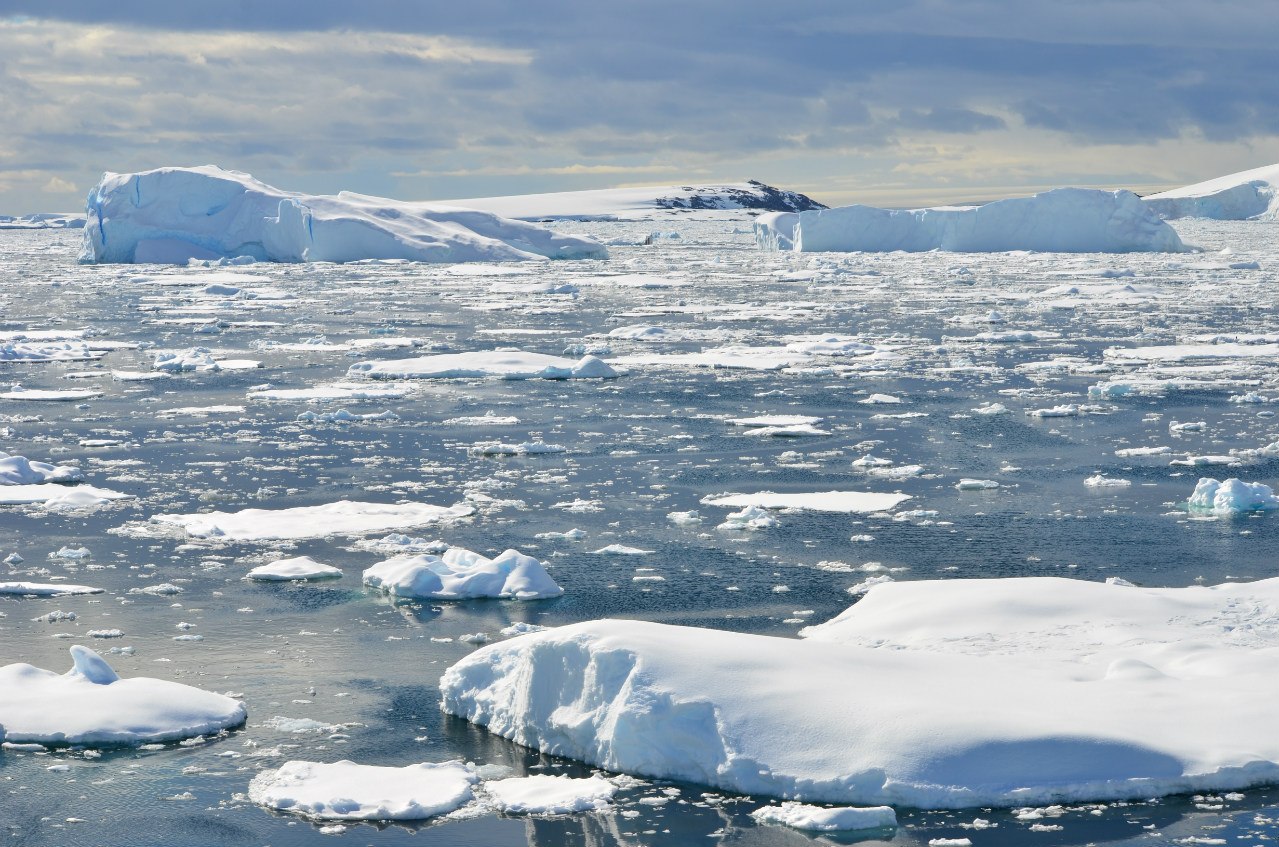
point(1065, 220)
point(460, 574)
point(300, 567)
point(502, 364)
point(347, 791)
point(821, 819)
point(172, 215)
point(544, 794)
point(18, 470)
point(344, 517)
point(90, 704)
point(817, 501)
point(1072, 691)
point(45, 589)
point(1231, 497)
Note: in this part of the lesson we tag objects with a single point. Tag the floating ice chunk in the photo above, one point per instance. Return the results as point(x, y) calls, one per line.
point(821, 819)
point(544, 794)
point(640, 333)
point(347, 791)
point(48, 351)
point(522, 628)
point(817, 501)
point(776, 421)
point(976, 485)
point(875, 399)
point(55, 495)
point(1103, 481)
point(1068, 410)
point(332, 391)
point(172, 215)
point(18, 470)
point(45, 589)
point(65, 395)
point(1249, 397)
point(461, 574)
point(1131, 452)
point(749, 518)
point(344, 517)
point(90, 704)
point(867, 584)
point(568, 535)
point(300, 567)
point(991, 409)
point(1231, 497)
point(344, 416)
point(1065, 220)
point(524, 448)
point(501, 364)
point(690, 518)
point(620, 550)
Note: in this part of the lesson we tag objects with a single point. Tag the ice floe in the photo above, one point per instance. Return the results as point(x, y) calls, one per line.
point(544, 794)
point(822, 819)
point(502, 364)
point(343, 517)
point(1232, 497)
point(299, 567)
point(91, 704)
point(816, 501)
point(347, 791)
point(459, 574)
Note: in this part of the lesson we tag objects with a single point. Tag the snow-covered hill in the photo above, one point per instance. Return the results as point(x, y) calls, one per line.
point(1235, 197)
point(638, 203)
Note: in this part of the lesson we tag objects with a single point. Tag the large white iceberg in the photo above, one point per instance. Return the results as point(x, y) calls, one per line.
point(1004, 692)
point(1064, 220)
point(172, 215)
point(91, 704)
point(1235, 197)
point(459, 574)
point(347, 791)
point(1232, 497)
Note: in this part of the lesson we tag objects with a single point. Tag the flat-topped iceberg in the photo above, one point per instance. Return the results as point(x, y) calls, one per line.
point(91, 704)
point(1064, 220)
point(459, 574)
point(1004, 692)
point(347, 791)
point(500, 364)
point(1235, 197)
point(342, 517)
point(173, 215)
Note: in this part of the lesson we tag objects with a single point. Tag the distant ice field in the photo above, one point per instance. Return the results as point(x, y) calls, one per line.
point(1046, 346)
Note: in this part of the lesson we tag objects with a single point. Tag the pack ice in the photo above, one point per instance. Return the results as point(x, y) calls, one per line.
point(1012, 691)
point(459, 574)
point(1235, 197)
point(347, 791)
point(1064, 220)
point(173, 215)
point(90, 704)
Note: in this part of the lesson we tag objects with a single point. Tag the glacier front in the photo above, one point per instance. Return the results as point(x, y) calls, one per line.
point(173, 215)
point(1064, 220)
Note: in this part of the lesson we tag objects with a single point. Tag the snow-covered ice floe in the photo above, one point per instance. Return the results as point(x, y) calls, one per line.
point(347, 791)
point(91, 704)
point(1006, 692)
point(45, 589)
point(1065, 220)
point(1232, 497)
point(58, 495)
point(816, 501)
point(287, 570)
point(173, 215)
point(544, 794)
point(344, 517)
point(501, 364)
point(459, 574)
point(1235, 197)
point(19, 470)
point(820, 819)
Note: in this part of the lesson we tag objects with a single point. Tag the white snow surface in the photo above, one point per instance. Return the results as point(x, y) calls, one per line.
point(501, 364)
point(45, 589)
point(343, 517)
point(299, 567)
point(347, 791)
point(1235, 197)
point(459, 574)
point(1064, 220)
point(173, 215)
point(19, 470)
point(543, 794)
point(91, 704)
point(820, 819)
point(1232, 497)
point(816, 501)
point(1071, 690)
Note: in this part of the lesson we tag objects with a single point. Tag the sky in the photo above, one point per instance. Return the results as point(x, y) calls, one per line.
point(889, 102)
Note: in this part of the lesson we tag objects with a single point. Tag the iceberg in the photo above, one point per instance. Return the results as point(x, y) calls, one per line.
point(1240, 196)
point(1064, 220)
point(459, 574)
point(91, 704)
point(289, 570)
point(1006, 692)
point(174, 215)
point(1232, 497)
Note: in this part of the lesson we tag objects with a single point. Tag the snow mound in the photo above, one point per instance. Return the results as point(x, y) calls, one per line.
point(460, 574)
point(819, 819)
point(344, 517)
point(1232, 497)
point(501, 364)
point(1064, 220)
point(90, 704)
point(347, 791)
point(18, 470)
point(1236, 197)
point(544, 794)
point(1071, 691)
point(641, 202)
point(286, 570)
point(173, 215)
